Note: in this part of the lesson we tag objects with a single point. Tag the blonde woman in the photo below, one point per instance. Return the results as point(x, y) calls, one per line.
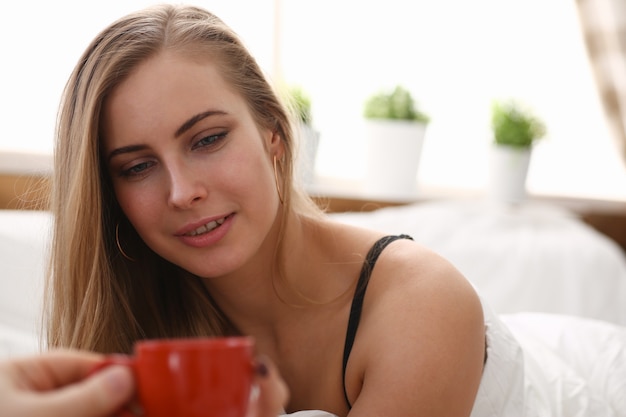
point(176, 214)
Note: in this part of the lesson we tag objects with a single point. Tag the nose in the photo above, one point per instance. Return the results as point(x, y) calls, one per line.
point(186, 187)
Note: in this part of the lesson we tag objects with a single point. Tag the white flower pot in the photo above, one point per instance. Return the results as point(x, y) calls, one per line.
point(393, 153)
point(307, 146)
point(507, 174)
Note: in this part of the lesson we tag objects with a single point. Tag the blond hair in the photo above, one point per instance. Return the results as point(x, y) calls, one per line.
point(96, 298)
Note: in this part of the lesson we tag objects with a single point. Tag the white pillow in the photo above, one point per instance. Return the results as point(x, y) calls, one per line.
point(24, 237)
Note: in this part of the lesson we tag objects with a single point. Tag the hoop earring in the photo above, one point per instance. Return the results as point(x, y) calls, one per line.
point(117, 242)
point(280, 194)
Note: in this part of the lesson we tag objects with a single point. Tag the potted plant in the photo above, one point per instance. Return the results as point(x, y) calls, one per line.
point(307, 137)
point(394, 132)
point(515, 130)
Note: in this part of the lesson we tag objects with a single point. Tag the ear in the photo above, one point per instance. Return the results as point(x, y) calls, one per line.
point(276, 146)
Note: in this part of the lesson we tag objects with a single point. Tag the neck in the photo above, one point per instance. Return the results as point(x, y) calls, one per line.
point(275, 289)
point(257, 293)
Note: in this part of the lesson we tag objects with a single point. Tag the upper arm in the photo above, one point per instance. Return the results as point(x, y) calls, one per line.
point(420, 346)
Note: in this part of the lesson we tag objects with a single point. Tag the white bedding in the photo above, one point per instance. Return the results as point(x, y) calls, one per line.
point(569, 366)
point(574, 367)
point(23, 237)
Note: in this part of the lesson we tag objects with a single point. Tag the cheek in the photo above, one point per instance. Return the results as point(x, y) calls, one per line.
point(136, 205)
point(245, 170)
point(125, 199)
point(258, 179)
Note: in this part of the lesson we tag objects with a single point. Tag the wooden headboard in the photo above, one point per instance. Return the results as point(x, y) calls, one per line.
point(24, 180)
point(24, 192)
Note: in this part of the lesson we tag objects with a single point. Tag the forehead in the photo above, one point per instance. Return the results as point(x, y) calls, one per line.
point(163, 91)
point(169, 75)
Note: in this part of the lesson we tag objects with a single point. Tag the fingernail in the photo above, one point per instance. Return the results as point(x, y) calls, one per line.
point(118, 379)
point(261, 368)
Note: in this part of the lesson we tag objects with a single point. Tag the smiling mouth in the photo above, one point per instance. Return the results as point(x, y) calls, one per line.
point(206, 228)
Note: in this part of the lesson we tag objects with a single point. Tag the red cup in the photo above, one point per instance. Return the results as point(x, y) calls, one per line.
point(202, 377)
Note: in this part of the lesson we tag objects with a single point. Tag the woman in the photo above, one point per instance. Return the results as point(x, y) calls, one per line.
point(177, 215)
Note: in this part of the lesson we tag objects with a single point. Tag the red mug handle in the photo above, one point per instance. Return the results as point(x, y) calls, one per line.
point(117, 360)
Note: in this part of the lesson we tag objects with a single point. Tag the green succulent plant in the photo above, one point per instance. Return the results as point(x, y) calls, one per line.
point(300, 102)
point(396, 105)
point(514, 125)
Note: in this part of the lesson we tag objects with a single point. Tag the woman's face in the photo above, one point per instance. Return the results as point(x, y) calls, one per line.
point(190, 168)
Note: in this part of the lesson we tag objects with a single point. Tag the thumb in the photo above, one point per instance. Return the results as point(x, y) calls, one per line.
point(100, 395)
point(272, 390)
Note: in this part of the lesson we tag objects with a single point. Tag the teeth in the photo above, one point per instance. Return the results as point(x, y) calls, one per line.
point(206, 227)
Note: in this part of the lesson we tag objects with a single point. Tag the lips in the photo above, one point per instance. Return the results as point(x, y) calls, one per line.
point(205, 228)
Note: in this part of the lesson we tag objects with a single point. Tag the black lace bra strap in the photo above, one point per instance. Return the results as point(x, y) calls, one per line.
point(359, 295)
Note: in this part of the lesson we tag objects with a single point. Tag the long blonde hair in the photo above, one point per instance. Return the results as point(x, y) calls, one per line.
point(96, 298)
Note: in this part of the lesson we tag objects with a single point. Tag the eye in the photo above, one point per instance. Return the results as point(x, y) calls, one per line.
point(209, 141)
point(137, 169)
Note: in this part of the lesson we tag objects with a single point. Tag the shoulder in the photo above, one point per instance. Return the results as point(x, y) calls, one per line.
point(422, 325)
point(406, 272)
point(421, 291)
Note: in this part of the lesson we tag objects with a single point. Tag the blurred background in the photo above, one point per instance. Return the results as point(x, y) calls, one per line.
point(454, 56)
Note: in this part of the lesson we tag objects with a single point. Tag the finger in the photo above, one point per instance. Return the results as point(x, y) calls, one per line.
point(100, 395)
point(273, 392)
point(53, 369)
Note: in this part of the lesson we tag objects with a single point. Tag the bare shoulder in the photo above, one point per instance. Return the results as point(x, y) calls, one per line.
point(422, 327)
point(407, 271)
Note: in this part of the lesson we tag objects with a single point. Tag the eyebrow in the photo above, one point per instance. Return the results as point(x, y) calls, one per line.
point(195, 119)
point(182, 129)
point(125, 149)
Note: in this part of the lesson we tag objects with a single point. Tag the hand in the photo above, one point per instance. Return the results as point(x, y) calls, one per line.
point(272, 391)
point(56, 384)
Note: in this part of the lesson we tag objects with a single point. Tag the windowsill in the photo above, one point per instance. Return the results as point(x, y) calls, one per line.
point(25, 163)
point(352, 189)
